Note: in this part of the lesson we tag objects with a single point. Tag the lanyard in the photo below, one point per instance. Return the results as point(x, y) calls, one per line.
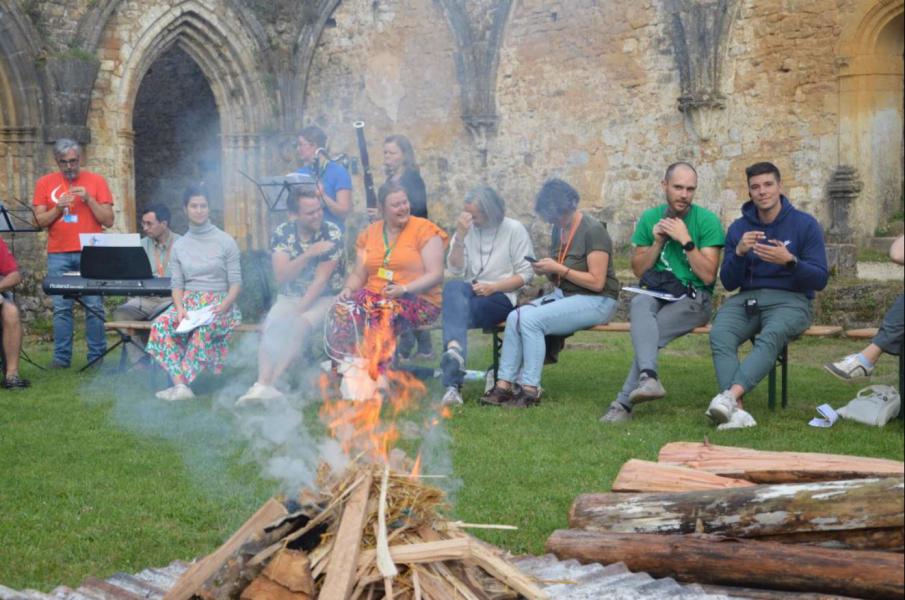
point(161, 266)
point(386, 245)
point(564, 249)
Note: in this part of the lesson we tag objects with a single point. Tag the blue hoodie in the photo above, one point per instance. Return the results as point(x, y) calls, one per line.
point(803, 237)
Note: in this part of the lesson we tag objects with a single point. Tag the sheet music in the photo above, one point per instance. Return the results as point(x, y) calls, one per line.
point(195, 319)
point(653, 293)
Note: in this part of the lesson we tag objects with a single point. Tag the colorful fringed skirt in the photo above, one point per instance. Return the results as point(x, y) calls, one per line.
point(186, 355)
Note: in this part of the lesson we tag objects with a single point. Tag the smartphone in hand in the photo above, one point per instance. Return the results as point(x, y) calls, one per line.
point(531, 259)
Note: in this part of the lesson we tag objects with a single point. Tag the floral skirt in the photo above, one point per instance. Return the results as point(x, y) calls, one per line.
point(351, 326)
point(186, 355)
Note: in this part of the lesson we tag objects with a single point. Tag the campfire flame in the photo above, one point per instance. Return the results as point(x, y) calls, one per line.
point(365, 426)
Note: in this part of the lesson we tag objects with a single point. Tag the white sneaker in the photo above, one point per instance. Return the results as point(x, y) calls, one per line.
point(452, 396)
point(740, 419)
point(849, 368)
point(259, 392)
point(165, 394)
point(721, 408)
point(180, 392)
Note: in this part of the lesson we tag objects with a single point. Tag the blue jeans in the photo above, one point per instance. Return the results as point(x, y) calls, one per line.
point(464, 310)
point(523, 343)
point(57, 264)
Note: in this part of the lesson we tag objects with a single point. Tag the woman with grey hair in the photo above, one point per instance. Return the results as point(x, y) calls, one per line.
point(488, 257)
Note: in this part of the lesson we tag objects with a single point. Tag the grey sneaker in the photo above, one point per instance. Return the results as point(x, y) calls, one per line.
point(616, 413)
point(452, 364)
point(721, 408)
point(452, 397)
point(649, 388)
point(849, 368)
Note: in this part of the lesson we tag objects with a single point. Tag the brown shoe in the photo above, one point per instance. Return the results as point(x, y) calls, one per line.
point(497, 396)
point(524, 399)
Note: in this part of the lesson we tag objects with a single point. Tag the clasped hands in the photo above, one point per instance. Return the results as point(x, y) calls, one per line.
point(672, 228)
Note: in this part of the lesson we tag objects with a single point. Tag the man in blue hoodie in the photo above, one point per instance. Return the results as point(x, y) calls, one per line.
point(776, 257)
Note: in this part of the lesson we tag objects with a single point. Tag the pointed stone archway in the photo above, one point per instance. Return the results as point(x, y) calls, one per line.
point(20, 105)
point(177, 137)
point(870, 109)
point(215, 38)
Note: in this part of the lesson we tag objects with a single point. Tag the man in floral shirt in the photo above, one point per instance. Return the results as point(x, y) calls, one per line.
point(309, 265)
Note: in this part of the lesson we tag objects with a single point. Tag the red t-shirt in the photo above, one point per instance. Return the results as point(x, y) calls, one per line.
point(7, 260)
point(63, 236)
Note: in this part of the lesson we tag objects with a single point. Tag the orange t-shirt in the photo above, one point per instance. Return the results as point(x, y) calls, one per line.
point(405, 255)
point(62, 236)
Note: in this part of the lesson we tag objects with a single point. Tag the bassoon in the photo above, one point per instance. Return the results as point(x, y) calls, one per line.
point(365, 164)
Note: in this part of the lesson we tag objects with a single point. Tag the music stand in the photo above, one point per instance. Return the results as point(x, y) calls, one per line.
point(13, 221)
point(275, 190)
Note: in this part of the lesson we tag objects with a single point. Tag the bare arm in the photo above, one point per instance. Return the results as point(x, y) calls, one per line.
point(593, 279)
point(705, 262)
point(10, 280)
point(45, 217)
point(897, 250)
point(357, 277)
point(432, 257)
point(230, 299)
point(102, 212)
point(340, 206)
point(644, 257)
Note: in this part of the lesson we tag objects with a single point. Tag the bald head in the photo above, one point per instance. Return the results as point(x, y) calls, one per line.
point(680, 184)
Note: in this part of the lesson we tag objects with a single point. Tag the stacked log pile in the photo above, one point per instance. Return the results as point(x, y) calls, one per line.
point(734, 516)
point(373, 534)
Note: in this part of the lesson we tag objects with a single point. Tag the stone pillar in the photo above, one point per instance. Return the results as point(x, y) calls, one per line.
point(243, 212)
point(842, 192)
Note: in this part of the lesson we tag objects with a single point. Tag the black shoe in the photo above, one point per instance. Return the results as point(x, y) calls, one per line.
point(15, 382)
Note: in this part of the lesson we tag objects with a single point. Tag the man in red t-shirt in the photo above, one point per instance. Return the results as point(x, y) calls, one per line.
point(70, 202)
point(9, 314)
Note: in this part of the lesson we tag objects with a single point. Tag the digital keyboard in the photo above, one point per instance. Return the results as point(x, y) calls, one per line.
point(74, 285)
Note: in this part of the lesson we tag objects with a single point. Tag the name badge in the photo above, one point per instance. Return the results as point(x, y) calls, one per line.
point(70, 218)
point(385, 273)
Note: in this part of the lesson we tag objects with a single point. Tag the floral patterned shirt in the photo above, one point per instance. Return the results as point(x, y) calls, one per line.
point(285, 239)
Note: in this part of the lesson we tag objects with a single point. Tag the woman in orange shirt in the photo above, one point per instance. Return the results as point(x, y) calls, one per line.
point(397, 275)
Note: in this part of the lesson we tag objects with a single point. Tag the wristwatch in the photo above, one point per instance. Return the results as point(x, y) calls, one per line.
point(688, 246)
point(791, 264)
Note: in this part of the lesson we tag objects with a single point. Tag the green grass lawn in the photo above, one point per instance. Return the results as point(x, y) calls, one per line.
point(97, 476)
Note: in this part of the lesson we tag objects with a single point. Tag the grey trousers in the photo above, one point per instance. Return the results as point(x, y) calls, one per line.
point(140, 308)
point(889, 338)
point(781, 317)
point(655, 323)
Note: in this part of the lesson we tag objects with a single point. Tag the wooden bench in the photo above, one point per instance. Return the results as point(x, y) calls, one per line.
point(619, 327)
point(123, 328)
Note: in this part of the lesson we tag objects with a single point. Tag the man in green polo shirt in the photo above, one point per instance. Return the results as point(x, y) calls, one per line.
point(686, 240)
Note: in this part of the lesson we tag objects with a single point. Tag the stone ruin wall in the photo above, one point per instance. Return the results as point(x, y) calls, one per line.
point(585, 90)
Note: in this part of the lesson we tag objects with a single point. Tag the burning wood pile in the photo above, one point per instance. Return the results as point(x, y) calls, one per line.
point(739, 517)
point(374, 534)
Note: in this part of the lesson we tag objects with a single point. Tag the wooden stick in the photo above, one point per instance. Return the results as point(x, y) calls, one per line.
point(384, 561)
point(505, 572)
point(416, 582)
point(347, 544)
point(199, 572)
point(464, 525)
point(454, 549)
point(646, 476)
point(776, 467)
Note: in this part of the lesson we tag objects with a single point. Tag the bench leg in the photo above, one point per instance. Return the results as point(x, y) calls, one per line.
point(784, 374)
point(771, 388)
point(901, 378)
point(497, 348)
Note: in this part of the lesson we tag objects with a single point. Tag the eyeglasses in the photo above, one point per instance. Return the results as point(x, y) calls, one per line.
point(71, 161)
